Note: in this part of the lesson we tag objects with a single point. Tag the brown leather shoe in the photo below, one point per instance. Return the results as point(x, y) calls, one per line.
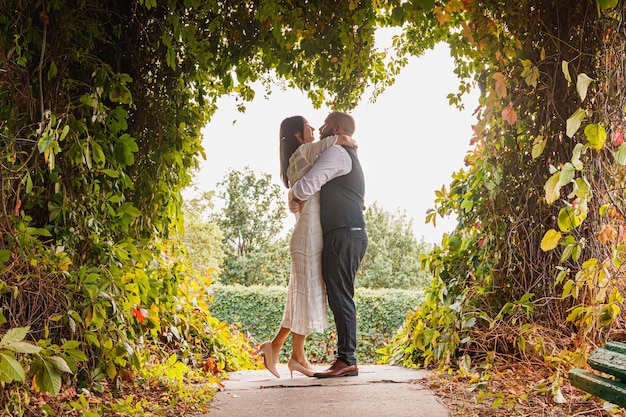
point(339, 368)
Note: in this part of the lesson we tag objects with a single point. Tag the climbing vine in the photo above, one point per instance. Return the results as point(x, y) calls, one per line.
point(533, 269)
point(101, 107)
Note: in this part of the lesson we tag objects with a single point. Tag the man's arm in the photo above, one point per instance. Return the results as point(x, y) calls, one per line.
point(331, 164)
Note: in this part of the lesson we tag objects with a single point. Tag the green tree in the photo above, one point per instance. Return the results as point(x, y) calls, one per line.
point(202, 238)
point(251, 219)
point(274, 262)
point(393, 254)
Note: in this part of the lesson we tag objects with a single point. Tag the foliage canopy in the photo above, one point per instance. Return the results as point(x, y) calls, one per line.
point(101, 106)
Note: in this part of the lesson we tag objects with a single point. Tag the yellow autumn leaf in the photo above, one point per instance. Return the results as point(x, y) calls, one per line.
point(550, 240)
point(606, 234)
point(565, 69)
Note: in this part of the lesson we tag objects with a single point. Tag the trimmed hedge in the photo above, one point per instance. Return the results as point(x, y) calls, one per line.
point(259, 310)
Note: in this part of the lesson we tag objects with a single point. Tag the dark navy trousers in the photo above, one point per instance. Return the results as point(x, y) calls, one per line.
point(341, 257)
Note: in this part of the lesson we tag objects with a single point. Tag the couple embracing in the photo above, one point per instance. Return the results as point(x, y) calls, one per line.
point(329, 240)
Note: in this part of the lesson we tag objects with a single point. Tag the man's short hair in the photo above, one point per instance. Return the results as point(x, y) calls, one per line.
point(345, 120)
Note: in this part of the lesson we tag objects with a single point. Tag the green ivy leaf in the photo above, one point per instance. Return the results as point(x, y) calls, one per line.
point(70, 344)
point(29, 182)
point(64, 132)
point(567, 174)
point(620, 155)
point(76, 354)
point(98, 154)
point(582, 84)
point(590, 263)
point(60, 364)
point(52, 70)
point(397, 16)
point(568, 219)
point(44, 142)
point(574, 122)
point(46, 378)
point(427, 4)
point(607, 4)
point(38, 231)
point(5, 255)
point(119, 93)
point(124, 150)
point(596, 135)
point(118, 119)
point(538, 146)
point(552, 188)
point(567, 252)
point(467, 205)
point(13, 336)
point(497, 402)
point(10, 369)
point(530, 73)
point(578, 149)
point(54, 210)
point(111, 173)
point(521, 343)
point(582, 188)
point(127, 208)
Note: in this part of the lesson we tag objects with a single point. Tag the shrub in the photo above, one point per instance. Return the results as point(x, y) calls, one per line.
point(259, 309)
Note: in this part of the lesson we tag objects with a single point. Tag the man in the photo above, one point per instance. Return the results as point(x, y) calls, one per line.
point(337, 174)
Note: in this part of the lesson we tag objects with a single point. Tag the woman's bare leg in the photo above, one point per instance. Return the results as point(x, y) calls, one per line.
point(297, 353)
point(279, 340)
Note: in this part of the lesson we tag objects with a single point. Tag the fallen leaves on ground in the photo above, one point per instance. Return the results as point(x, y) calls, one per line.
point(514, 391)
point(149, 400)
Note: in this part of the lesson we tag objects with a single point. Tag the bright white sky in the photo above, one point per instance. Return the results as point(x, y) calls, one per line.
point(410, 140)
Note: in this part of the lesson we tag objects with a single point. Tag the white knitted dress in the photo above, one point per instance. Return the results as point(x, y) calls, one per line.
point(305, 309)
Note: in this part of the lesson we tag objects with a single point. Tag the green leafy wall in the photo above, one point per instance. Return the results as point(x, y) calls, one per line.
point(259, 310)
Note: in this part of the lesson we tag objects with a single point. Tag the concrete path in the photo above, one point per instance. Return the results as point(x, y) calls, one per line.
point(378, 391)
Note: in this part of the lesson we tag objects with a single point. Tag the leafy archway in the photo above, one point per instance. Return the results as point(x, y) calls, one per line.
point(101, 106)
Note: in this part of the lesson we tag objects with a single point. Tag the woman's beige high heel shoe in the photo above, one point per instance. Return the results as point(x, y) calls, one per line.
point(295, 366)
point(268, 358)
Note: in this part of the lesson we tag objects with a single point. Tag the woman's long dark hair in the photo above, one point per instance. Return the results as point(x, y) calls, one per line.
point(289, 143)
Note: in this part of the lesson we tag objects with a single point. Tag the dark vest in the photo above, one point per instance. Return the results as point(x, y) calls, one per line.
point(342, 198)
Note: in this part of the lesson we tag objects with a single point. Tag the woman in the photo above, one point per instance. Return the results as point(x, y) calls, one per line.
point(305, 309)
